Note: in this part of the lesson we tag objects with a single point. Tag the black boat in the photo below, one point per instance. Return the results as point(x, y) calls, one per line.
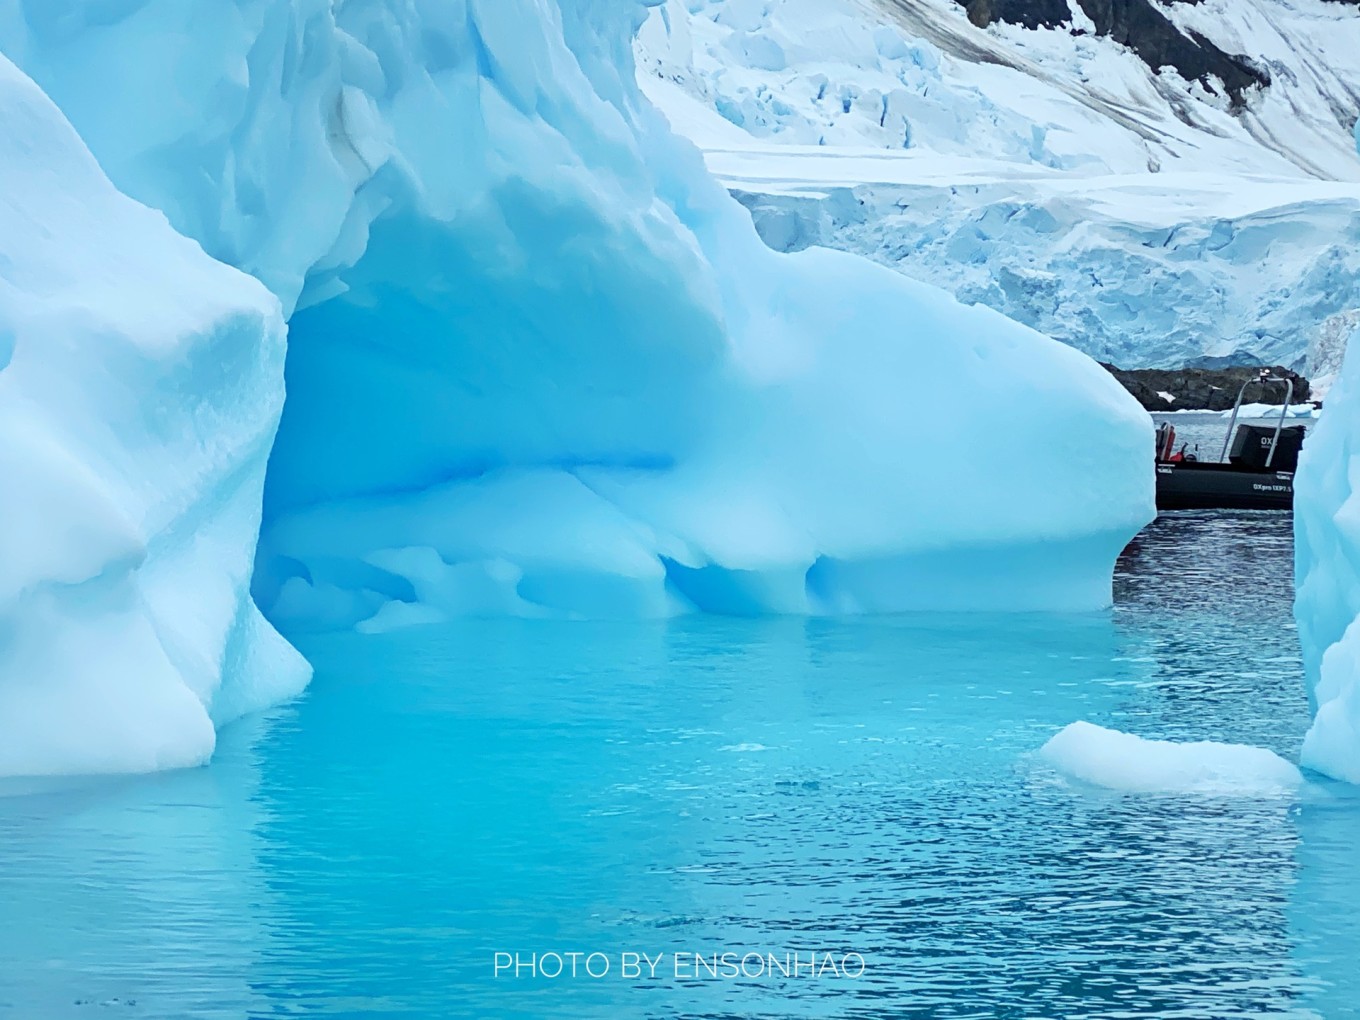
point(1256, 474)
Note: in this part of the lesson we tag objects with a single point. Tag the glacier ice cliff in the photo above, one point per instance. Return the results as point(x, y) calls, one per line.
point(1152, 271)
point(140, 386)
point(539, 362)
point(1049, 173)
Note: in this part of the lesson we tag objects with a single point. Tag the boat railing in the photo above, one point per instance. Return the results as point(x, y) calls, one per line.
point(1263, 377)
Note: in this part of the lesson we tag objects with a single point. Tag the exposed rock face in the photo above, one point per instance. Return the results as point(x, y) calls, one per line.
point(1030, 13)
point(1205, 389)
point(1140, 25)
point(980, 12)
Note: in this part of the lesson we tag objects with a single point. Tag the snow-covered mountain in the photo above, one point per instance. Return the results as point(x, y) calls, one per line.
point(1151, 182)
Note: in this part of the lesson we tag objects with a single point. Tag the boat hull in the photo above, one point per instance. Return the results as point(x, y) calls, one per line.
point(1192, 485)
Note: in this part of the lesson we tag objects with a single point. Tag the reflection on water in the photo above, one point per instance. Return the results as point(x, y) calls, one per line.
point(713, 785)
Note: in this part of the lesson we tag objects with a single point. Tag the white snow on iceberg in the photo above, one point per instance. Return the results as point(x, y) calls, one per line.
point(1122, 761)
point(139, 393)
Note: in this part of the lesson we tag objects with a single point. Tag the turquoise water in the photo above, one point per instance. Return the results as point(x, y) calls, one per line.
point(864, 788)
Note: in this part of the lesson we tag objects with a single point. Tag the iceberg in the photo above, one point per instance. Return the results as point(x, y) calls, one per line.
point(1132, 764)
point(538, 361)
point(1327, 576)
point(140, 386)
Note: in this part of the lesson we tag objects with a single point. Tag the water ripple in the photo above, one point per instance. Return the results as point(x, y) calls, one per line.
point(768, 786)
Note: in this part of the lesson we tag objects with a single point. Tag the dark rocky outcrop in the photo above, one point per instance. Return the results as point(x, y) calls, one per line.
point(1144, 28)
point(1203, 388)
point(1030, 13)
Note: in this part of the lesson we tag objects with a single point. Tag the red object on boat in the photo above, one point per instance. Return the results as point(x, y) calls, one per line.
point(1166, 441)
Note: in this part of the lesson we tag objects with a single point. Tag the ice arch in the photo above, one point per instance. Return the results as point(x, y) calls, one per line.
point(540, 363)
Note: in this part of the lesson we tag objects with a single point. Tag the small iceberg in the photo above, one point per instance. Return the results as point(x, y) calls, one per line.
point(1122, 761)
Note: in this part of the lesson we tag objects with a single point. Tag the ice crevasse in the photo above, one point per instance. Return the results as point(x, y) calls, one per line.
point(538, 363)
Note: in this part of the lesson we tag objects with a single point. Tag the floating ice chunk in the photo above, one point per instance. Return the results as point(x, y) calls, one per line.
point(1122, 761)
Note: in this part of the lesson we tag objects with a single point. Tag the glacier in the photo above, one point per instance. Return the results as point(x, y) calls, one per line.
point(1048, 173)
point(538, 363)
